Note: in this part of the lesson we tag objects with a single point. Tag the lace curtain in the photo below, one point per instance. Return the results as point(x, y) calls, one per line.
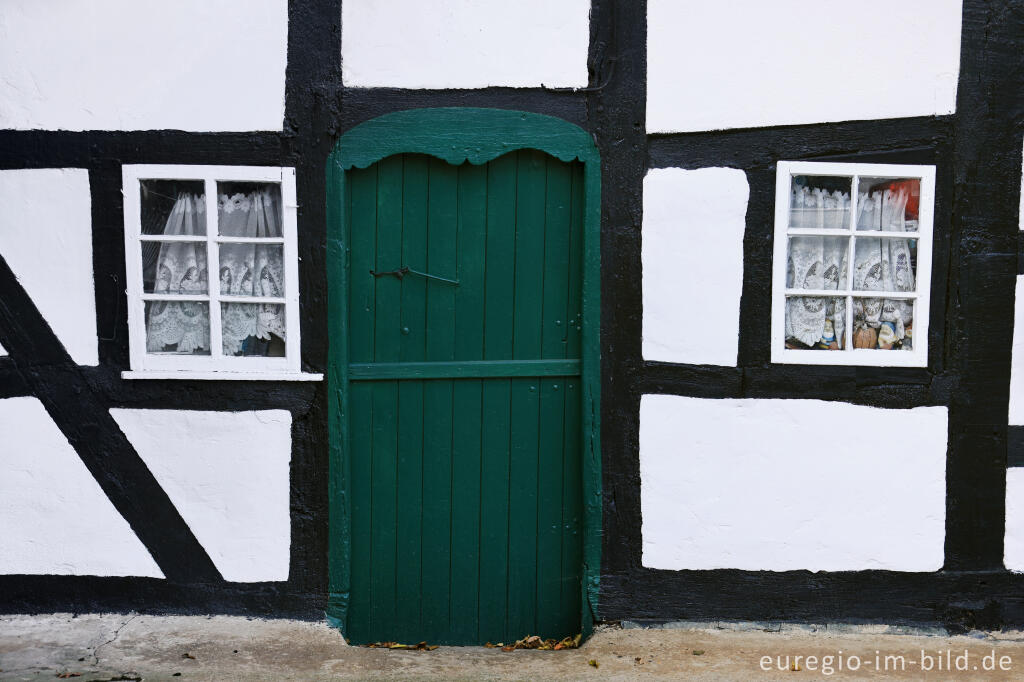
point(818, 263)
point(245, 269)
point(883, 265)
point(823, 263)
point(180, 269)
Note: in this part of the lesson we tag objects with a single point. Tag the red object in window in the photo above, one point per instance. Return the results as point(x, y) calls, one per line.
point(911, 187)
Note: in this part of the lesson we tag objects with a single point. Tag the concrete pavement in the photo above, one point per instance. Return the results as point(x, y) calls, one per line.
point(132, 647)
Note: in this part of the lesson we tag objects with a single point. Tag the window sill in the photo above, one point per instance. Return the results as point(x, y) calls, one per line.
point(224, 376)
point(861, 357)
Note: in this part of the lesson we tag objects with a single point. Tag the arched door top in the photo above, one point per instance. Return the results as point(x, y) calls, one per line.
point(458, 134)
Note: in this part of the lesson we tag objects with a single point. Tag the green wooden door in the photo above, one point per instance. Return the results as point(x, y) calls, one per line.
point(465, 398)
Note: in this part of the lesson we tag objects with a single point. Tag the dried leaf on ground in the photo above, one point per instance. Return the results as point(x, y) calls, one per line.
point(421, 646)
point(569, 643)
point(536, 642)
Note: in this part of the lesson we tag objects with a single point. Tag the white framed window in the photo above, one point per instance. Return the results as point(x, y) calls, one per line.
point(212, 266)
point(851, 272)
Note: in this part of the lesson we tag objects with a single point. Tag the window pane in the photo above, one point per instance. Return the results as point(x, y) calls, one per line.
point(817, 263)
point(886, 324)
point(888, 204)
point(814, 323)
point(175, 207)
point(253, 329)
point(249, 209)
point(178, 327)
point(820, 202)
point(252, 270)
point(884, 264)
point(174, 268)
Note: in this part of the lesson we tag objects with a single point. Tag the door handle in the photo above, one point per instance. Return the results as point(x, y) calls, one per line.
point(406, 270)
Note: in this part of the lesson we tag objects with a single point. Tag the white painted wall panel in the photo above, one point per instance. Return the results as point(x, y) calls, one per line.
point(227, 473)
point(465, 43)
point(784, 485)
point(693, 264)
point(46, 238)
point(143, 64)
point(1013, 545)
point(714, 65)
point(1017, 359)
point(55, 518)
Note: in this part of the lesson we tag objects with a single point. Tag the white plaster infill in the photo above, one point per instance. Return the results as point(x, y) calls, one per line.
point(1016, 410)
point(1013, 543)
point(465, 43)
point(56, 520)
point(751, 63)
point(189, 65)
point(692, 254)
point(46, 239)
point(227, 474)
point(782, 485)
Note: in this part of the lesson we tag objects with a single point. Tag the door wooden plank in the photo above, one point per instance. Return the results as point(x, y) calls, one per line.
point(572, 471)
point(413, 348)
point(574, 270)
point(442, 235)
point(495, 415)
point(384, 462)
point(409, 487)
point(557, 228)
point(471, 244)
point(442, 215)
point(414, 255)
point(549, 507)
point(531, 184)
point(465, 566)
point(524, 405)
point(525, 402)
point(388, 290)
point(499, 285)
point(437, 508)
point(494, 519)
point(360, 439)
point(362, 236)
point(467, 403)
point(572, 510)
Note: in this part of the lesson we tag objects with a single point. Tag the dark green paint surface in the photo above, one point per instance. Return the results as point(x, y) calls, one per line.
point(466, 505)
point(447, 554)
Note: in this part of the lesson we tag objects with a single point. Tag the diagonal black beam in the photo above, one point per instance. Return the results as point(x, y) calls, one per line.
point(81, 413)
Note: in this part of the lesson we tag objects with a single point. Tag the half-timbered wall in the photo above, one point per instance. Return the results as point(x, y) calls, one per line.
point(723, 497)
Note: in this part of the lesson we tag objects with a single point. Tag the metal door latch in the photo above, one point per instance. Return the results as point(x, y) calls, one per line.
point(406, 270)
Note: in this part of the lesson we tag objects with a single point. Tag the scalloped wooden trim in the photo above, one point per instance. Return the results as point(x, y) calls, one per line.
point(457, 135)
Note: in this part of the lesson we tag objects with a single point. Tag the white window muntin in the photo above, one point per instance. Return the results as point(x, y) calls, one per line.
point(918, 355)
point(216, 364)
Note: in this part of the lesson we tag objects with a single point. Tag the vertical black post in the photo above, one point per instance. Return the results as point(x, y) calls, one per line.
point(986, 194)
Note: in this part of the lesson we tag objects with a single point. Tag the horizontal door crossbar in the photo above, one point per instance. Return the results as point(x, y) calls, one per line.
point(473, 369)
